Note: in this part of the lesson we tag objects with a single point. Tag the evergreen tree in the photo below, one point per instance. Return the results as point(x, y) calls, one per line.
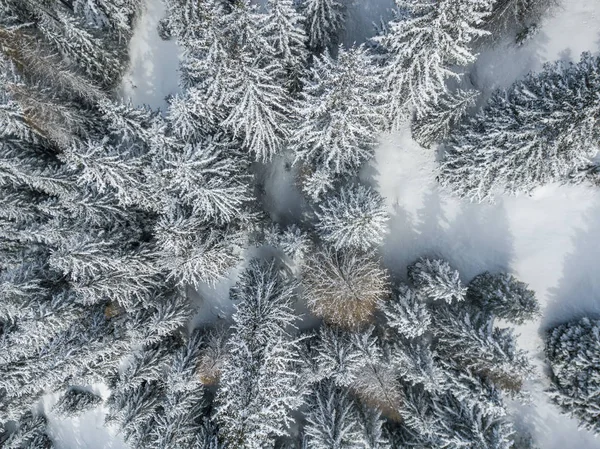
point(542, 129)
point(435, 279)
point(469, 337)
point(283, 28)
point(332, 420)
point(353, 218)
point(440, 119)
point(257, 391)
point(75, 402)
point(573, 352)
point(504, 296)
point(324, 21)
point(427, 43)
point(344, 287)
point(337, 357)
point(406, 313)
point(30, 434)
point(518, 15)
point(339, 116)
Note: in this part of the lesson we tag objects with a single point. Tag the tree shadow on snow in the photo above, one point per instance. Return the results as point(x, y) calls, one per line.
point(472, 237)
point(577, 293)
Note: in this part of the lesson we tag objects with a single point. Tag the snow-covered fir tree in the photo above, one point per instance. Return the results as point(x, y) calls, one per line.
point(332, 419)
point(467, 335)
point(257, 390)
point(344, 287)
point(443, 116)
point(542, 129)
point(231, 61)
point(31, 433)
point(427, 44)
point(436, 279)
point(518, 15)
point(324, 21)
point(76, 401)
point(338, 118)
point(406, 312)
point(504, 296)
point(573, 353)
point(283, 28)
point(355, 217)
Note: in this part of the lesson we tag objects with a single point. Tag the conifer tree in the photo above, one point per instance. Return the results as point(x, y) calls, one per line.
point(427, 44)
point(283, 28)
point(324, 21)
point(573, 352)
point(332, 420)
point(435, 279)
point(76, 401)
point(504, 296)
point(339, 116)
point(257, 391)
point(469, 337)
point(344, 287)
point(542, 129)
point(406, 312)
point(353, 218)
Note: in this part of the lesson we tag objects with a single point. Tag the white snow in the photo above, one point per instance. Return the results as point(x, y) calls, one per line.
point(154, 68)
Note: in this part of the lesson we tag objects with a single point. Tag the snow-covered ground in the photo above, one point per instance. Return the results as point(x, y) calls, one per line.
point(153, 73)
point(549, 239)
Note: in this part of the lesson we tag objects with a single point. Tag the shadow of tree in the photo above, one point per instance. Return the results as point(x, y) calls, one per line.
point(577, 293)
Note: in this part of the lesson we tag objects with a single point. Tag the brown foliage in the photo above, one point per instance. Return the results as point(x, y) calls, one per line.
point(344, 287)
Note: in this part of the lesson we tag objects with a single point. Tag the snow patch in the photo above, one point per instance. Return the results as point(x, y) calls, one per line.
point(154, 68)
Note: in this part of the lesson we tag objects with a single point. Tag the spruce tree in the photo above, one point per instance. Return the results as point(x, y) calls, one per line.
point(257, 391)
point(504, 296)
point(435, 279)
point(324, 21)
point(573, 352)
point(542, 129)
point(427, 44)
point(353, 218)
point(338, 117)
point(283, 28)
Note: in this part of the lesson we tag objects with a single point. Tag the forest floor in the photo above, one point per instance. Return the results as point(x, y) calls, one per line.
point(548, 239)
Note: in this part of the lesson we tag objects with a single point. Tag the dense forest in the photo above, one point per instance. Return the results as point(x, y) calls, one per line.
point(112, 216)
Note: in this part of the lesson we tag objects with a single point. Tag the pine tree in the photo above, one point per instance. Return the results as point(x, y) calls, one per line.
point(339, 116)
point(406, 313)
point(573, 352)
point(332, 420)
point(257, 390)
point(542, 129)
point(283, 28)
point(76, 401)
point(324, 21)
point(504, 296)
point(344, 287)
point(427, 43)
point(440, 118)
point(353, 218)
point(435, 279)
